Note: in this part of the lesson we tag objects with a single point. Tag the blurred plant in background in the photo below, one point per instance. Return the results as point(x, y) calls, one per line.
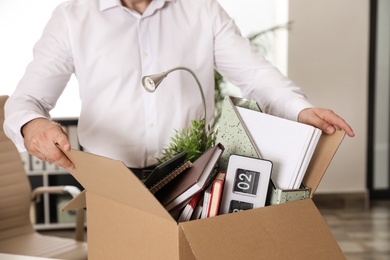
point(260, 41)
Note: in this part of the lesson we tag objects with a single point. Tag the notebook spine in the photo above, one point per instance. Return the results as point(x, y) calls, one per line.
point(156, 187)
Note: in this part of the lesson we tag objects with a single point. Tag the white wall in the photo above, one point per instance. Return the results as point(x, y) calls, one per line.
point(21, 25)
point(328, 57)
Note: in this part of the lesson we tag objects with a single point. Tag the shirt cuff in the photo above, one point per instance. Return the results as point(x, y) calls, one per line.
point(296, 107)
point(13, 125)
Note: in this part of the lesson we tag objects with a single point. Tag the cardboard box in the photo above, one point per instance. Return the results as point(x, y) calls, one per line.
point(125, 221)
point(68, 216)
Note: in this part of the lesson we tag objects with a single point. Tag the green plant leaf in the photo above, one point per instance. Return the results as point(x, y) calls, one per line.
point(195, 141)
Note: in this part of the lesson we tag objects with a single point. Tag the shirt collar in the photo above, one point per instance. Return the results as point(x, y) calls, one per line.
point(107, 4)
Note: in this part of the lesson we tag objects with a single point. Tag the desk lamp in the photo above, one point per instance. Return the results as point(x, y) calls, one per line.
point(151, 83)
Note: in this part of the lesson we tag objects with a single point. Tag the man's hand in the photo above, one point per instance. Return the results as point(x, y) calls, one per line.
point(41, 137)
point(324, 119)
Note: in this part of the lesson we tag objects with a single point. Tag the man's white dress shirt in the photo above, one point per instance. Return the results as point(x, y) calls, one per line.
point(110, 48)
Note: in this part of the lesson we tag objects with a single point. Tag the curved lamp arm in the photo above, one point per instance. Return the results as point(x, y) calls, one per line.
point(151, 83)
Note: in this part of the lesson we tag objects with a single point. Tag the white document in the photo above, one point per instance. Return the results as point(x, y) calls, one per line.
point(288, 144)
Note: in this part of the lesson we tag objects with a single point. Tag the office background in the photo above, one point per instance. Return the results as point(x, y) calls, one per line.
point(328, 51)
point(339, 51)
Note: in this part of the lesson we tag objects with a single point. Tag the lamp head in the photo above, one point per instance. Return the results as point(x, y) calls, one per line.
point(151, 82)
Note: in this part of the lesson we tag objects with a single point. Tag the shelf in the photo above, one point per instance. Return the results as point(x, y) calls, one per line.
point(47, 213)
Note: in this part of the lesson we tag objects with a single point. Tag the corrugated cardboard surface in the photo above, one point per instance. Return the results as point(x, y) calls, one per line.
point(294, 230)
point(323, 155)
point(185, 250)
point(117, 231)
point(112, 179)
point(78, 202)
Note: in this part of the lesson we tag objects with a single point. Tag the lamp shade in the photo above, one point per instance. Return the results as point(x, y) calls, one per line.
point(151, 82)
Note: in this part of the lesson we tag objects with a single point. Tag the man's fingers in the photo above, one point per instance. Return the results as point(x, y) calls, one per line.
point(53, 155)
point(61, 160)
point(337, 122)
point(62, 140)
point(41, 137)
point(60, 143)
point(308, 116)
point(325, 119)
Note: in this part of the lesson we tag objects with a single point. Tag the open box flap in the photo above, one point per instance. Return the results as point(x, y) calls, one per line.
point(294, 230)
point(185, 250)
point(117, 231)
point(323, 155)
point(78, 202)
point(112, 179)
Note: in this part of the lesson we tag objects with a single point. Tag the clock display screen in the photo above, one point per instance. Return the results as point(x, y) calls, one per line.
point(236, 206)
point(246, 182)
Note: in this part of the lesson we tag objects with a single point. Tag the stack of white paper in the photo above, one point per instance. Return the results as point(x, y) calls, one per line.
point(288, 144)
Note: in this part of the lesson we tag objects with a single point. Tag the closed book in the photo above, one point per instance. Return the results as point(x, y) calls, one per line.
point(175, 212)
point(197, 212)
point(165, 180)
point(216, 194)
point(188, 210)
point(206, 202)
point(191, 181)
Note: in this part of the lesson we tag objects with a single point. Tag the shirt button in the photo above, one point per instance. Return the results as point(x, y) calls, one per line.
point(146, 54)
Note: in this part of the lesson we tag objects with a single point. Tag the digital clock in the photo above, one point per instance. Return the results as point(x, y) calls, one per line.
point(246, 184)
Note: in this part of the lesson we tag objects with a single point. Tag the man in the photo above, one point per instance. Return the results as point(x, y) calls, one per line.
point(110, 45)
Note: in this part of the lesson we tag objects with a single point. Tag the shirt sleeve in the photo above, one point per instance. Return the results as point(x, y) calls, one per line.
point(257, 78)
point(44, 80)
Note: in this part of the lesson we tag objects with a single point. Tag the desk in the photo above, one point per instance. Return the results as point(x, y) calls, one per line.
point(21, 257)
